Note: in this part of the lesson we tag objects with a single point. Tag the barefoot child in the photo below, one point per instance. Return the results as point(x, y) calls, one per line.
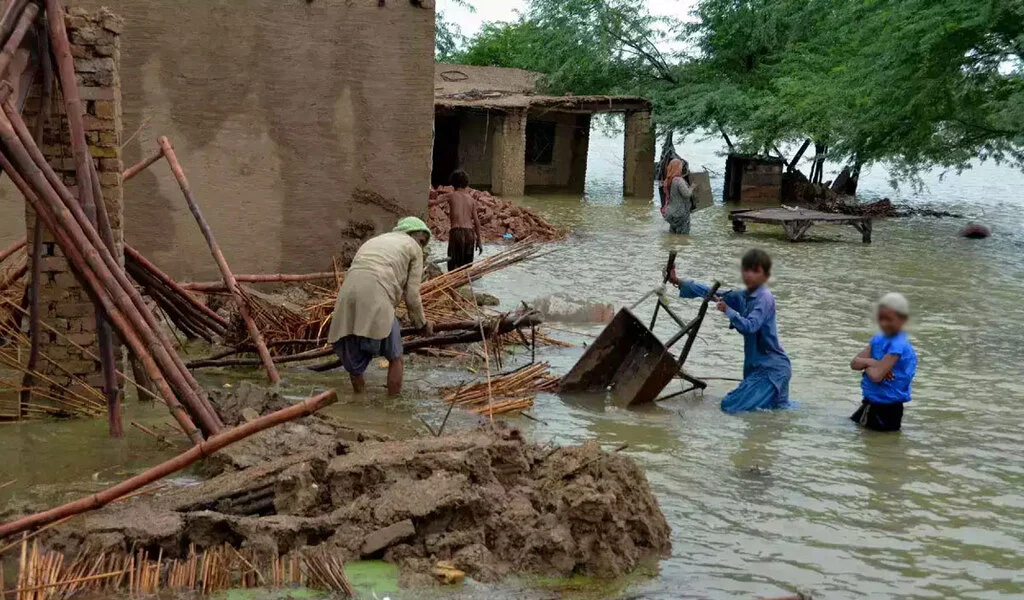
point(464, 233)
point(889, 364)
point(751, 312)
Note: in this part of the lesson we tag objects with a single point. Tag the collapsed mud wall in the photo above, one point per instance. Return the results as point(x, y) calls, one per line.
point(488, 501)
point(279, 111)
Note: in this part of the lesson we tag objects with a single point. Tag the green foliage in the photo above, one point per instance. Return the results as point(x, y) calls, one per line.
point(916, 83)
point(913, 82)
point(581, 46)
point(448, 38)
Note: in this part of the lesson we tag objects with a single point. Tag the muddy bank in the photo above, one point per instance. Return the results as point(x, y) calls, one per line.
point(487, 501)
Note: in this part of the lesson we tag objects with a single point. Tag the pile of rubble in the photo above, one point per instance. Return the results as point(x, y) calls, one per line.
point(499, 219)
point(487, 502)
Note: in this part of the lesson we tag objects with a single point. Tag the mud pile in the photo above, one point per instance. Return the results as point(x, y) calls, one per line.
point(489, 502)
point(497, 217)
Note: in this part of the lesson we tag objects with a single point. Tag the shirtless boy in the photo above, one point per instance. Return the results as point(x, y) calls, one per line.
point(464, 234)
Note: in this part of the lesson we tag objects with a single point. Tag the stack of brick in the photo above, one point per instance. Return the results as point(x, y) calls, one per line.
point(64, 304)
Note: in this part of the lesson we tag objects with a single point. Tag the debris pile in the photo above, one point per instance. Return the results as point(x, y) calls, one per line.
point(498, 217)
point(514, 392)
point(487, 502)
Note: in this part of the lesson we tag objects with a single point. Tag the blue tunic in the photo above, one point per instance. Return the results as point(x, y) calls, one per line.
point(766, 367)
point(896, 390)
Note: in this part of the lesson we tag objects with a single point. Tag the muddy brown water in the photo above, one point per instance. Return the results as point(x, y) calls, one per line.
point(765, 503)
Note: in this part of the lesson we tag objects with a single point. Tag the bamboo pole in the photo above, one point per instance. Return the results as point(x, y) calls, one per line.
point(179, 289)
point(108, 270)
point(60, 47)
point(8, 251)
point(28, 17)
point(12, 10)
point(103, 331)
point(85, 172)
point(134, 170)
point(225, 270)
point(183, 460)
point(77, 258)
point(218, 286)
point(45, 101)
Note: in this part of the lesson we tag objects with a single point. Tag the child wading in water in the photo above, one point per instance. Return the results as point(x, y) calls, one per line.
point(889, 364)
point(464, 218)
point(766, 367)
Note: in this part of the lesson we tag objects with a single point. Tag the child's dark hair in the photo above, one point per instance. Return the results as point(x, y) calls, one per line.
point(459, 180)
point(757, 259)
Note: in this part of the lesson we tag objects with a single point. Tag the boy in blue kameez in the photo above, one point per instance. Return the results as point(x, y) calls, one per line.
point(766, 367)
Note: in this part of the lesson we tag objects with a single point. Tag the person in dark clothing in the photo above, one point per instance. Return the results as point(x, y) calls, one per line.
point(464, 232)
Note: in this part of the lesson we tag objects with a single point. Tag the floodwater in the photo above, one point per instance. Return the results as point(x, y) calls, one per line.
point(765, 503)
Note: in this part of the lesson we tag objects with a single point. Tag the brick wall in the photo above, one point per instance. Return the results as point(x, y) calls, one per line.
point(64, 304)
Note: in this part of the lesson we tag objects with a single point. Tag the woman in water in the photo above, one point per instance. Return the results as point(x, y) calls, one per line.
point(678, 198)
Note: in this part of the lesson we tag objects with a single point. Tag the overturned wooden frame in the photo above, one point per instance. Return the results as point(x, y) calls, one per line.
point(629, 361)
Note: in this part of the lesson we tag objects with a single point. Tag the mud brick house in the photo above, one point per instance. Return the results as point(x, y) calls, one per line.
point(281, 112)
point(303, 127)
point(492, 123)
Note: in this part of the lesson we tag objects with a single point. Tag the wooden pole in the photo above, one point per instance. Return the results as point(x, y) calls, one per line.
point(8, 251)
point(28, 16)
point(132, 254)
point(134, 170)
point(218, 286)
point(169, 467)
point(108, 346)
point(12, 10)
point(85, 173)
point(76, 259)
point(222, 263)
point(70, 215)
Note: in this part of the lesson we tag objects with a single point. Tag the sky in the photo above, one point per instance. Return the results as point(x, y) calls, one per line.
point(505, 10)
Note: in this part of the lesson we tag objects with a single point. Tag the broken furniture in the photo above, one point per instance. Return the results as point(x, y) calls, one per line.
point(630, 363)
point(796, 222)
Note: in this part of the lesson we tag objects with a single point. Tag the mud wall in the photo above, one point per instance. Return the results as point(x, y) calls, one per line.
point(508, 173)
point(476, 136)
point(280, 111)
point(561, 170)
point(638, 152)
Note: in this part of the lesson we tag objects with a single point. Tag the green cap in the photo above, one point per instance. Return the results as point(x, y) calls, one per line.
point(412, 225)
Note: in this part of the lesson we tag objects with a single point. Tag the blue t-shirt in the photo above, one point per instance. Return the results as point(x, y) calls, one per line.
point(897, 390)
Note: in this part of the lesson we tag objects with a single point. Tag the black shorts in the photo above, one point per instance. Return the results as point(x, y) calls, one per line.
point(879, 417)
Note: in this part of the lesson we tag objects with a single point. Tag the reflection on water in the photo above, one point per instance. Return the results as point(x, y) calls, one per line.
point(770, 502)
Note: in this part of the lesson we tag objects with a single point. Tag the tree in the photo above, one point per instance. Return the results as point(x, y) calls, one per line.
point(448, 38)
point(581, 46)
point(915, 83)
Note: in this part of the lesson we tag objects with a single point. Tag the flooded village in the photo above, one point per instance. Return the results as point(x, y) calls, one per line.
point(242, 360)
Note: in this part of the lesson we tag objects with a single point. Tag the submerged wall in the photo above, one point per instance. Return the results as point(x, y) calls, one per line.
point(280, 111)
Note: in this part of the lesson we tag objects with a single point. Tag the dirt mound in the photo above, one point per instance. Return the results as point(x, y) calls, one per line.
point(488, 502)
point(497, 217)
point(317, 433)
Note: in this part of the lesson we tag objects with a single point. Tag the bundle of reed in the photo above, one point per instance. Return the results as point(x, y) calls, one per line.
point(527, 381)
point(504, 407)
point(325, 571)
point(53, 398)
point(46, 575)
point(13, 270)
point(453, 280)
point(189, 315)
point(512, 392)
point(80, 226)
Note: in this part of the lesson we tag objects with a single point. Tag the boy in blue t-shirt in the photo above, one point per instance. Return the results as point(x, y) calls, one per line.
point(889, 364)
